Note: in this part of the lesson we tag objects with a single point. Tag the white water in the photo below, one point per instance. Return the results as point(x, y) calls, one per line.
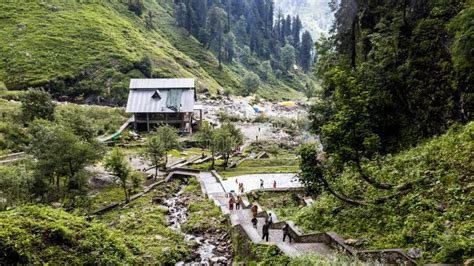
point(177, 216)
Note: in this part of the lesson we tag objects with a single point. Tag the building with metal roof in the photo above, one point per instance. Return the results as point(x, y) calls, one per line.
point(162, 101)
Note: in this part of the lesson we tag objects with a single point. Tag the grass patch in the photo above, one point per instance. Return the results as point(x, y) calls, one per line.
point(281, 161)
point(203, 214)
point(284, 204)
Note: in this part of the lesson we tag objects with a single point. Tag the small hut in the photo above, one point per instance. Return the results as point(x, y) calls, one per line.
point(155, 102)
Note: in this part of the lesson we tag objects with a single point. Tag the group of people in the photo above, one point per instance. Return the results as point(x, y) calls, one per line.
point(267, 225)
point(268, 222)
point(237, 201)
point(262, 184)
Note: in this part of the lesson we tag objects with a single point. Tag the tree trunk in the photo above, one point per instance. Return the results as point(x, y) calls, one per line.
point(226, 160)
point(365, 177)
point(369, 180)
point(353, 43)
point(127, 200)
point(342, 197)
point(213, 160)
point(220, 51)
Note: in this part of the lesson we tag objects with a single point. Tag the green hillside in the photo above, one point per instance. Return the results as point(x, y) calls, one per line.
point(82, 49)
point(433, 213)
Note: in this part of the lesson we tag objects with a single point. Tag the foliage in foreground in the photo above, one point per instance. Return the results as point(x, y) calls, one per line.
point(37, 235)
point(434, 214)
point(61, 155)
point(145, 222)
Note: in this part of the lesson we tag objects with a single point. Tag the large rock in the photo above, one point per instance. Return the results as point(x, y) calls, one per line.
point(414, 253)
point(101, 180)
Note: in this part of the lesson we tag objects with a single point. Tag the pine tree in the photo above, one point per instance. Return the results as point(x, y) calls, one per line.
point(288, 26)
point(288, 57)
point(305, 51)
point(217, 23)
point(296, 31)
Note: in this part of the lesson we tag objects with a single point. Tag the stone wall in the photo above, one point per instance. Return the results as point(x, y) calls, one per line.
point(334, 241)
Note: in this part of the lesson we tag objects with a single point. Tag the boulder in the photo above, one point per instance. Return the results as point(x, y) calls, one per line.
point(56, 205)
point(101, 180)
point(414, 253)
point(53, 9)
point(355, 242)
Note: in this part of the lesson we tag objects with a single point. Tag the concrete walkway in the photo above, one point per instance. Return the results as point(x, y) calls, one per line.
point(216, 192)
point(252, 182)
point(244, 216)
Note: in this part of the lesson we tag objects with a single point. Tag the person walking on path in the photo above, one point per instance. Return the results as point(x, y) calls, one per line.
point(270, 219)
point(261, 183)
point(254, 210)
point(265, 228)
point(254, 222)
point(274, 184)
point(286, 232)
point(231, 203)
point(238, 202)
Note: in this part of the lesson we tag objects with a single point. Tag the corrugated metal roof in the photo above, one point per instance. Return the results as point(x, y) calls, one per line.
point(161, 83)
point(141, 101)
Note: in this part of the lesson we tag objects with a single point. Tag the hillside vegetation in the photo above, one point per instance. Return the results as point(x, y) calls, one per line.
point(36, 235)
point(89, 49)
point(395, 124)
point(434, 213)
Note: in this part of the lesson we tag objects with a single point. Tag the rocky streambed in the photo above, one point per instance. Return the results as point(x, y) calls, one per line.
point(212, 247)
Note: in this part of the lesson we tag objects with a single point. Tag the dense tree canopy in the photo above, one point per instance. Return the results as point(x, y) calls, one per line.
point(37, 103)
point(251, 82)
point(392, 76)
point(224, 26)
point(154, 151)
point(166, 137)
point(403, 60)
point(61, 157)
point(120, 169)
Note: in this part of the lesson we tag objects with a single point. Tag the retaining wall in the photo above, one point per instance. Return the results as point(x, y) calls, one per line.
point(334, 241)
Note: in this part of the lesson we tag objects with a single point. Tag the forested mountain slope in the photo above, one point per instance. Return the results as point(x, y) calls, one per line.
point(400, 72)
point(252, 34)
point(316, 15)
point(90, 49)
point(395, 123)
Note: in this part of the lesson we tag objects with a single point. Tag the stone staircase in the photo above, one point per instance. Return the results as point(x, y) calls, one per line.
point(325, 243)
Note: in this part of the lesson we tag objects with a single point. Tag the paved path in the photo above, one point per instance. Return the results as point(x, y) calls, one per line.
point(252, 182)
point(216, 192)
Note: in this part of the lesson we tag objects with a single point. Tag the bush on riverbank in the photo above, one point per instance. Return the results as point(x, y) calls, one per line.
point(145, 222)
point(203, 214)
